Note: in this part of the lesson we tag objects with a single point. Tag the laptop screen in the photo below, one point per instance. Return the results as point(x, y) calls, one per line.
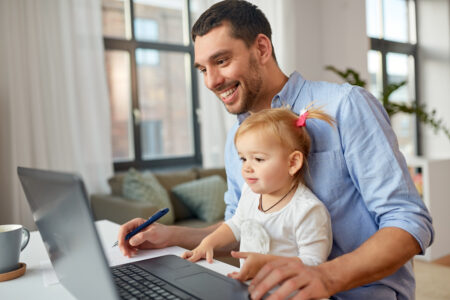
point(61, 211)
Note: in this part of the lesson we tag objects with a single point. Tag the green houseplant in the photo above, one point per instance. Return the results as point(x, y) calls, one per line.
point(420, 110)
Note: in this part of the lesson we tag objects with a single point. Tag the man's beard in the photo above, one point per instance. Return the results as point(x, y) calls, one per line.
point(253, 86)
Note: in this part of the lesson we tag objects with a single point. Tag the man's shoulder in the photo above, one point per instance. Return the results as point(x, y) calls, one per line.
point(328, 90)
point(327, 94)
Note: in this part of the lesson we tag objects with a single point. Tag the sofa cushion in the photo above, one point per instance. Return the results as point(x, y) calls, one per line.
point(202, 173)
point(170, 179)
point(204, 197)
point(146, 188)
point(116, 184)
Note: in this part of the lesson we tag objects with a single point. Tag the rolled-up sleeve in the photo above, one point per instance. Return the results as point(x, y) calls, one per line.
point(379, 170)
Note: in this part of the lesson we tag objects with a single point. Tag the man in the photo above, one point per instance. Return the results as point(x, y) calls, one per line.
point(379, 221)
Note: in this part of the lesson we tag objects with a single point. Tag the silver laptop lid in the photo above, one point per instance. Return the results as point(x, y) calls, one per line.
point(61, 211)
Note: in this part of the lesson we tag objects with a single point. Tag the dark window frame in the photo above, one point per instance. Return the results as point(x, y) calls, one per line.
point(387, 46)
point(130, 46)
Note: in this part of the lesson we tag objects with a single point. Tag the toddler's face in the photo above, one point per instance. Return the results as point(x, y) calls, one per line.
point(265, 162)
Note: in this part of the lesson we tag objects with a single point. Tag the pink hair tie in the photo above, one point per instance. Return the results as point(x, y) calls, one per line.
point(301, 121)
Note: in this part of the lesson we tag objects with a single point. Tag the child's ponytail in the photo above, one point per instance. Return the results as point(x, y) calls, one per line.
point(311, 112)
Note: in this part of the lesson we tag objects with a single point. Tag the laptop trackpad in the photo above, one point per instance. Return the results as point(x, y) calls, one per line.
point(205, 285)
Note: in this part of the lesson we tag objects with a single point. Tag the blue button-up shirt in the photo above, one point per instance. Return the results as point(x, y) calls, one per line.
point(356, 170)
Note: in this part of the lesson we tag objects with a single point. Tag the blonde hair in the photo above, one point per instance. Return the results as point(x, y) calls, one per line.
point(282, 124)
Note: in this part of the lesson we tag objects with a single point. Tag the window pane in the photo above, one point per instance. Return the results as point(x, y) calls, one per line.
point(404, 127)
point(118, 73)
point(164, 91)
point(375, 73)
point(374, 18)
point(395, 14)
point(400, 67)
point(161, 21)
point(196, 8)
point(115, 23)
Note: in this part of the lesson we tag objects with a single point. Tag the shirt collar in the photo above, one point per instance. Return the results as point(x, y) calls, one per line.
point(286, 97)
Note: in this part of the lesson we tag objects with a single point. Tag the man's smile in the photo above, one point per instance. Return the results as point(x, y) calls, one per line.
point(227, 95)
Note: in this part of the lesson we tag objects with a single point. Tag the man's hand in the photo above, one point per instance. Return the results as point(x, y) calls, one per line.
point(153, 237)
point(204, 250)
point(253, 263)
point(292, 275)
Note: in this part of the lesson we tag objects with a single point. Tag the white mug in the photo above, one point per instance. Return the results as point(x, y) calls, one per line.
point(13, 239)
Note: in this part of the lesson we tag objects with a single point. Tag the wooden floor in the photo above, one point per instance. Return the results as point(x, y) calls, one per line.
point(445, 261)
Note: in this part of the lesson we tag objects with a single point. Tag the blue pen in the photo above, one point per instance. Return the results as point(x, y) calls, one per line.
point(147, 223)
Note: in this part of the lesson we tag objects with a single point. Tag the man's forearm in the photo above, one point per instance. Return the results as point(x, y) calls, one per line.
point(380, 256)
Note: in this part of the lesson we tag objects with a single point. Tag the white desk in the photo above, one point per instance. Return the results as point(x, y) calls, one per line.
point(31, 284)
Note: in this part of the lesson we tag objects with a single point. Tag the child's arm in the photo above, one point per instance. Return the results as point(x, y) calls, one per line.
point(221, 237)
point(253, 263)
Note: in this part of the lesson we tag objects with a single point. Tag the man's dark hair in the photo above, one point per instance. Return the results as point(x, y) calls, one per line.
point(246, 20)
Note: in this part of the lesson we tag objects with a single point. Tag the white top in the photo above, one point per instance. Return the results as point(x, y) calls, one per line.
point(302, 228)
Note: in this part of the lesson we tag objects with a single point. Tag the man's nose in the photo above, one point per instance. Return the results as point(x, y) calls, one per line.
point(213, 79)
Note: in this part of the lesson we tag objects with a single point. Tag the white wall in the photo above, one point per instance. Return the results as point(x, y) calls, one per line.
point(330, 32)
point(434, 69)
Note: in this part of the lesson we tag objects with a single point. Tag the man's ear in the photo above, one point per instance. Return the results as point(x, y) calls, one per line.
point(295, 162)
point(263, 48)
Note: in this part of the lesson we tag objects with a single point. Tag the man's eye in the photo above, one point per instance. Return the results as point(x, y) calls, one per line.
point(221, 61)
point(202, 71)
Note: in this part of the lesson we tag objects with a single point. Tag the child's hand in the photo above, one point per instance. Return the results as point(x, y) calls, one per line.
point(202, 251)
point(253, 263)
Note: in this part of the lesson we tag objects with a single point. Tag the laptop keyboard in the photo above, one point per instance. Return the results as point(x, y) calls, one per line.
point(136, 283)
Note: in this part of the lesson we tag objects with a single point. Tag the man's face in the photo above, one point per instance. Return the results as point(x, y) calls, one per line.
point(230, 69)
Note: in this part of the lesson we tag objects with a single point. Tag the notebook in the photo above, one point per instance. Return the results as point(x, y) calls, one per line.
point(60, 208)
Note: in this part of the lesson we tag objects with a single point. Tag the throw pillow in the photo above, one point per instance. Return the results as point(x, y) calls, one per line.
point(204, 197)
point(170, 179)
point(146, 188)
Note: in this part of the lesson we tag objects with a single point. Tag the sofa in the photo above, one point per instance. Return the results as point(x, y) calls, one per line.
point(117, 208)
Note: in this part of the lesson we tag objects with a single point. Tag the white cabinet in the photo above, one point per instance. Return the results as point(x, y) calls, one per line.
point(436, 195)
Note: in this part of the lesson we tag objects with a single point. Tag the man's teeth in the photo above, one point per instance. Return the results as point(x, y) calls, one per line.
point(227, 93)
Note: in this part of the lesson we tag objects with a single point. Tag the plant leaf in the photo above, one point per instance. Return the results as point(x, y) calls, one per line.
point(392, 108)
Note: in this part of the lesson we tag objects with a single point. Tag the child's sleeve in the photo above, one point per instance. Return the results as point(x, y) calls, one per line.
point(313, 233)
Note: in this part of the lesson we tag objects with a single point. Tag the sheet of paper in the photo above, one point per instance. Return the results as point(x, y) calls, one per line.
point(115, 257)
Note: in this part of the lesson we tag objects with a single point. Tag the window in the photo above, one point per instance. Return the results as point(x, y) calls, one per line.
point(391, 28)
point(152, 85)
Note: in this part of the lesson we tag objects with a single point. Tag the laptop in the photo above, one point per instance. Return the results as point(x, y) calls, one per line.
point(60, 208)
